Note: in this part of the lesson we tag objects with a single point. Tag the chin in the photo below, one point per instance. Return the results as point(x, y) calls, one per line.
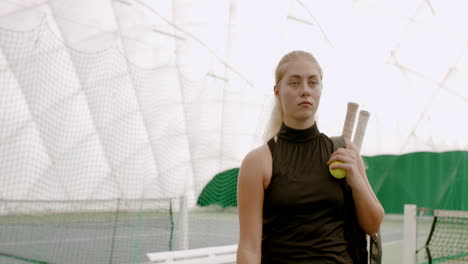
point(305, 117)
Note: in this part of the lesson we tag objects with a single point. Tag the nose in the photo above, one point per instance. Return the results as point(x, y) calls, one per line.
point(305, 88)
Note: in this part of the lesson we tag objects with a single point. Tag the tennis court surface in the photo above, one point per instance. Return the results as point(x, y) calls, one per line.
point(126, 237)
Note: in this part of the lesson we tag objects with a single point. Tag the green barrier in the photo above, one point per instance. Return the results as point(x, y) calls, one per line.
point(221, 190)
point(428, 179)
point(431, 180)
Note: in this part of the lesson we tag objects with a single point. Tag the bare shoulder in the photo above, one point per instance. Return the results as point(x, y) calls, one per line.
point(258, 156)
point(257, 165)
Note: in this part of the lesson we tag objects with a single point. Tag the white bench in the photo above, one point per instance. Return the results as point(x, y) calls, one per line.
point(209, 255)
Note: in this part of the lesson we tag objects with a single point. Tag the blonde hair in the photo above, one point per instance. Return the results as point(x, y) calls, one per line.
point(277, 115)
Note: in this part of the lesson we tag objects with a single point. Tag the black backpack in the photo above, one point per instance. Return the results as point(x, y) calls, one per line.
point(356, 238)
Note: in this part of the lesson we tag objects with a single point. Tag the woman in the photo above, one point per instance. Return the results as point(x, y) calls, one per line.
point(291, 210)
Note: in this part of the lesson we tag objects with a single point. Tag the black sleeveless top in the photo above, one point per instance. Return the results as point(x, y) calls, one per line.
point(303, 210)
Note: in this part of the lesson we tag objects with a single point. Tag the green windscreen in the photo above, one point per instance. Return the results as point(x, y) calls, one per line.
point(221, 190)
point(428, 179)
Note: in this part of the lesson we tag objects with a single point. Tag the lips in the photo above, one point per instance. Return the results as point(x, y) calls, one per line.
point(305, 103)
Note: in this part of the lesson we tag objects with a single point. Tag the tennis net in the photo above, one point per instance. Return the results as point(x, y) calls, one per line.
point(445, 240)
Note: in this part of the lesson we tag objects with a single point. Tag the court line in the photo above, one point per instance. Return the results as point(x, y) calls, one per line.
point(392, 242)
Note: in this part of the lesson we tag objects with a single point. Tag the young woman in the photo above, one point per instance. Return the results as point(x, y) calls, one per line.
point(291, 210)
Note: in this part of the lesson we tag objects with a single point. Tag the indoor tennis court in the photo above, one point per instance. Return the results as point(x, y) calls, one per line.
point(99, 239)
point(124, 123)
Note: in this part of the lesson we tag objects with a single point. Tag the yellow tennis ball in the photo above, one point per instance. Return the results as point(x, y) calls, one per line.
point(337, 173)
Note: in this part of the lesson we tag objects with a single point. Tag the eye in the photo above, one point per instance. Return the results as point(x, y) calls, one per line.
point(294, 83)
point(313, 84)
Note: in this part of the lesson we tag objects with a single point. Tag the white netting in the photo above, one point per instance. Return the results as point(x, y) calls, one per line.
point(134, 100)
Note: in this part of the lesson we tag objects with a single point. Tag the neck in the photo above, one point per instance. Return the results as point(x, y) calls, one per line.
point(299, 124)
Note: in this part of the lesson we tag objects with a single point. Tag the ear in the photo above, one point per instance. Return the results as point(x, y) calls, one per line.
point(276, 90)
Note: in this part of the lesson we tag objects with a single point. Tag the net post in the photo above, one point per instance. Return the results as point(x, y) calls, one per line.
point(183, 223)
point(409, 234)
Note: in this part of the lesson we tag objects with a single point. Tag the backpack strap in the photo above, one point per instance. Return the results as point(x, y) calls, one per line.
point(338, 142)
point(375, 249)
point(358, 250)
point(357, 244)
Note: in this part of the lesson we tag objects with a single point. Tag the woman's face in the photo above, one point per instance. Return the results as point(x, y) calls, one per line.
point(299, 92)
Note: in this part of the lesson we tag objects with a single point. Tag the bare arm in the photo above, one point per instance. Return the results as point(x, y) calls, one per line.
point(369, 211)
point(250, 189)
point(362, 171)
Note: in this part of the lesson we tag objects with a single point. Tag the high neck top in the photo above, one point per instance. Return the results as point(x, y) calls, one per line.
point(298, 135)
point(303, 206)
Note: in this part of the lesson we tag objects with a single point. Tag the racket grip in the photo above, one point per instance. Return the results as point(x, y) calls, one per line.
point(361, 128)
point(349, 120)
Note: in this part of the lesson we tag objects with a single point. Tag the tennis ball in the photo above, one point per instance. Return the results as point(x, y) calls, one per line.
point(337, 173)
